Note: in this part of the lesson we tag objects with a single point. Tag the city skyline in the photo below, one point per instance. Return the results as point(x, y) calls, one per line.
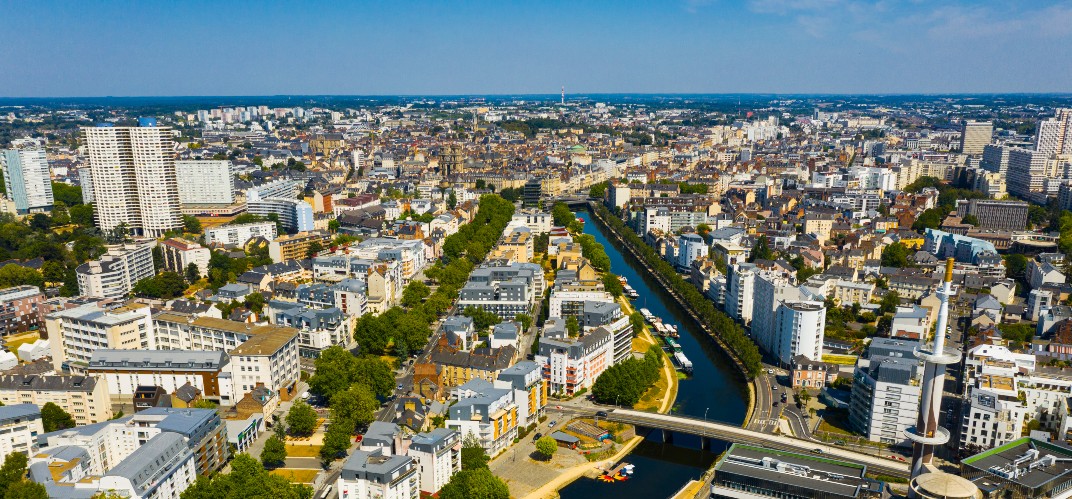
point(761, 46)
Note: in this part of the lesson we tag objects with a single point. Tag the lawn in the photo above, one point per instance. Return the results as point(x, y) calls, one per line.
point(303, 450)
point(299, 475)
point(836, 422)
point(653, 398)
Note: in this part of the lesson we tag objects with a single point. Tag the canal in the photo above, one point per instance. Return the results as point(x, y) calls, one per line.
point(715, 391)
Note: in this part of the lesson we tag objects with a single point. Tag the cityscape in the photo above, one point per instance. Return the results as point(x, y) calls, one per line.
point(501, 287)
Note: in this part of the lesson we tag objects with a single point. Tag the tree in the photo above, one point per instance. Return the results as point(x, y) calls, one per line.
point(414, 293)
point(473, 455)
point(26, 490)
point(13, 470)
point(804, 397)
point(475, 484)
point(612, 284)
point(636, 319)
point(274, 453)
point(314, 248)
point(452, 200)
point(761, 250)
point(301, 420)
point(191, 225)
point(572, 326)
point(525, 320)
point(889, 303)
point(929, 219)
point(82, 215)
point(247, 478)
point(546, 447)
point(40, 222)
point(16, 275)
point(336, 439)
point(355, 406)
point(54, 418)
point(333, 226)
point(970, 220)
point(193, 274)
point(895, 255)
point(165, 285)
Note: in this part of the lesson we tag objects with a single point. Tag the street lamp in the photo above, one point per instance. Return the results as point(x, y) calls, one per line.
point(704, 426)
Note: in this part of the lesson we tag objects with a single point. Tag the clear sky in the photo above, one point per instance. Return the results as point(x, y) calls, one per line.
point(127, 48)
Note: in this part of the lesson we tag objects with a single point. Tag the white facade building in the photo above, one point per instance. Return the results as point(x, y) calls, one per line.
point(134, 181)
point(117, 271)
point(238, 235)
point(799, 330)
point(27, 179)
point(205, 182)
point(20, 425)
point(372, 474)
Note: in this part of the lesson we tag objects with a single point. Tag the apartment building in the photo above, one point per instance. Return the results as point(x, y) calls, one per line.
point(799, 327)
point(294, 215)
point(85, 398)
point(530, 389)
point(506, 290)
point(995, 215)
point(456, 367)
point(75, 333)
point(886, 391)
point(537, 222)
point(28, 179)
point(123, 371)
point(20, 424)
point(270, 359)
point(20, 309)
point(205, 182)
point(975, 135)
point(134, 178)
point(486, 412)
point(410, 254)
point(116, 272)
point(238, 235)
point(180, 253)
point(438, 455)
point(296, 246)
point(374, 474)
point(318, 329)
point(572, 364)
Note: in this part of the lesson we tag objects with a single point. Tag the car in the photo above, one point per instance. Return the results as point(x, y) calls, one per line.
point(770, 371)
point(775, 403)
point(601, 414)
point(399, 386)
point(839, 442)
point(552, 424)
point(817, 450)
point(537, 436)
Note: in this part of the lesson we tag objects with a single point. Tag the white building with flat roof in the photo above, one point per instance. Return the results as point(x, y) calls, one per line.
point(116, 272)
point(238, 235)
point(205, 182)
point(27, 179)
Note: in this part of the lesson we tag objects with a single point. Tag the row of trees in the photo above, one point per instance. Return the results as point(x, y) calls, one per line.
point(725, 328)
point(626, 382)
point(407, 330)
point(563, 217)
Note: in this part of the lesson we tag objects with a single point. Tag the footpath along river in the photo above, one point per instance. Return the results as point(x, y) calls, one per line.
point(714, 390)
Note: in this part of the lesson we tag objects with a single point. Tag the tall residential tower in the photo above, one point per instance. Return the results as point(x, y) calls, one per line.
point(134, 180)
point(27, 178)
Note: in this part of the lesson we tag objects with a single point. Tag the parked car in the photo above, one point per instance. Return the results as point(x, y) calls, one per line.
point(552, 424)
point(775, 403)
point(817, 450)
point(601, 414)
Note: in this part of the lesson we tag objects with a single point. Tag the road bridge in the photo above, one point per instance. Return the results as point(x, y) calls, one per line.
point(706, 429)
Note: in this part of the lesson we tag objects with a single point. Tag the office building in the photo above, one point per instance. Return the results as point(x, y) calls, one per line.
point(379, 475)
point(19, 309)
point(294, 215)
point(27, 179)
point(746, 471)
point(116, 272)
point(180, 253)
point(885, 391)
point(974, 136)
point(75, 333)
point(134, 181)
point(799, 330)
point(1025, 467)
point(205, 182)
point(238, 235)
point(85, 398)
point(20, 424)
point(992, 214)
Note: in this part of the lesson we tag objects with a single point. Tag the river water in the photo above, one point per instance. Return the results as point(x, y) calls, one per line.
point(714, 390)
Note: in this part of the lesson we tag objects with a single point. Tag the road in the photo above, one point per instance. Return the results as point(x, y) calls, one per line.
point(768, 392)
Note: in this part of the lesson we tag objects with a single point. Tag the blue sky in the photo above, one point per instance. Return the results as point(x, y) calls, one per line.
point(126, 48)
